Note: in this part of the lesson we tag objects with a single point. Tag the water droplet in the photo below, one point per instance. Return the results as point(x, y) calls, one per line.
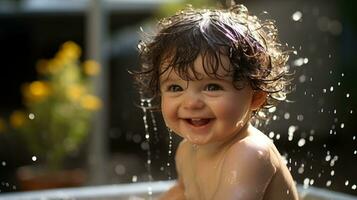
point(287, 115)
point(312, 181)
point(329, 55)
point(3, 163)
point(328, 183)
point(306, 60)
point(306, 183)
point(31, 116)
point(300, 61)
point(324, 90)
point(144, 146)
point(342, 125)
point(34, 158)
point(355, 152)
point(291, 131)
point(346, 182)
point(311, 138)
point(134, 179)
point(351, 111)
point(332, 173)
point(148, 161)
point(271, 134)
point(277, 136)
point(301, 142)
point(300, 118)
point(331, 89)
point(348, 95)
point(301, 170)
point(342, 74)
point(302, 78)
point(137, 138)
point(297, 16)
point(339, 83)
point(272, 109)
point(353, 187)
point(328, 158)
point(120, 169)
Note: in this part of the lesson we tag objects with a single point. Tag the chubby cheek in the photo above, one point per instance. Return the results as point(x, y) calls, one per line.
point(168, 112)
point(233, 112)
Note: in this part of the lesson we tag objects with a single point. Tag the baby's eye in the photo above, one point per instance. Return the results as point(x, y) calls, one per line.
point(213, 87)
point(174, 88)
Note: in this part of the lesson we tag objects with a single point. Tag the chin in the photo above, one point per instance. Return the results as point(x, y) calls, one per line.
point(197, 141)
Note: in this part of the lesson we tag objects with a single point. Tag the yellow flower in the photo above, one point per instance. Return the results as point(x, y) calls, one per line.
point(91, 67)
point(17, 119)
point(69, 50)
point(54, 65)
point(36, 91)
point(2, 125)
point(74, 92)
point(91, 102)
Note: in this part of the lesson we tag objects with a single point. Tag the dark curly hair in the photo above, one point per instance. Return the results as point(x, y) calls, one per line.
point(255, 54)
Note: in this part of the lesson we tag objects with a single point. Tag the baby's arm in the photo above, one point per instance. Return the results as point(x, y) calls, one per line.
point(177, 191)
point(246, 172)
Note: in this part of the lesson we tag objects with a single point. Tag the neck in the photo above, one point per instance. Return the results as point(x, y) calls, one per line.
point(218, 147)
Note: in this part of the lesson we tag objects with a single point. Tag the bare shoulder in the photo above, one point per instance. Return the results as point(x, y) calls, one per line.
point(254, 147)
point(258, 153)
point(252, 154)
point(247, 169)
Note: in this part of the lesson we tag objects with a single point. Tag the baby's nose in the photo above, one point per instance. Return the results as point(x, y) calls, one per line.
point(193, 101)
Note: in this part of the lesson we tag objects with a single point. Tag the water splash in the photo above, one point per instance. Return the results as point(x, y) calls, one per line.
point(34, 158)
point(297, 16)
point(168, 164)
point(145, 104)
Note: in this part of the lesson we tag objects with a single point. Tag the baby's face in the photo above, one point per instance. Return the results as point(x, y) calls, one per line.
point(204, 111)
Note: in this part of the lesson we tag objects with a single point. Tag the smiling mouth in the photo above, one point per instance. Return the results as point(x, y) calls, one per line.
point(198, 122)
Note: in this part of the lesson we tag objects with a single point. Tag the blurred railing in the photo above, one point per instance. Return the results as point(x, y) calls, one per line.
point(140, 191)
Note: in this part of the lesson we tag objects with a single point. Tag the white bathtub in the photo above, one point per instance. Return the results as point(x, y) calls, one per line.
point(139, 191)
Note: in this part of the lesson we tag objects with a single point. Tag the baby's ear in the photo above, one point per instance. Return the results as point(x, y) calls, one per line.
point(258, 99)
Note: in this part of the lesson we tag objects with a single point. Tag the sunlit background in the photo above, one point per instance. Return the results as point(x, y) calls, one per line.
point(68, 107)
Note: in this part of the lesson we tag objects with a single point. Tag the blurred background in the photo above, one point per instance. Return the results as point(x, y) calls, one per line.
point(70, 116)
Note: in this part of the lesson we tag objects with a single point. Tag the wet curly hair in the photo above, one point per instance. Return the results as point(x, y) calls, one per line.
point(255, 54)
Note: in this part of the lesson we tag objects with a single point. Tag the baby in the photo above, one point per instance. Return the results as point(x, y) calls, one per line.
point(210, 72)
